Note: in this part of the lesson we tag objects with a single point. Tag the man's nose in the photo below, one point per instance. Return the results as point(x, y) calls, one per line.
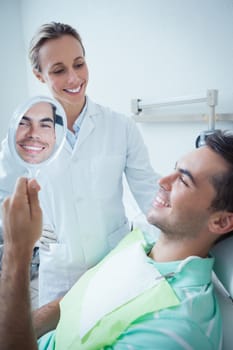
point(167, 181)
point(33, 132)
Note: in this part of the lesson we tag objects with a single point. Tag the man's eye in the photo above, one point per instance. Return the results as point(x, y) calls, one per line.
point(183, 181)
point(46, 126)
point(23, 124)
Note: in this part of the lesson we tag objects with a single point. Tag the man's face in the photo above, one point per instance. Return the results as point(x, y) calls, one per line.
point(182, 205)
point(35, 135)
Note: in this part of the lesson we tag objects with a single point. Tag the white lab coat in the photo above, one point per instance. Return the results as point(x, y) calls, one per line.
point(81, 197)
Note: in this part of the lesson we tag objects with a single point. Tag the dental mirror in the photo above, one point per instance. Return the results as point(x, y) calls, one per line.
point(37, 133)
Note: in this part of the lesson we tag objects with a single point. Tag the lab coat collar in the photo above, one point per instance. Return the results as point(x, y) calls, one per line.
point(88, 123)
point(92, 108)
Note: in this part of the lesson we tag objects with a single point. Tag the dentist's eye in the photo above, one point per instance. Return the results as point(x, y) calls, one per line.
point(78, 65)
point(59, 71)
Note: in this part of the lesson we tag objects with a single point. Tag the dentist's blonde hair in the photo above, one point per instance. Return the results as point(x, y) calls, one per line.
point(49, 31)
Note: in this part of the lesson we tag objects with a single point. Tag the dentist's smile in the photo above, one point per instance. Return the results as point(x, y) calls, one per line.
point(74, 91)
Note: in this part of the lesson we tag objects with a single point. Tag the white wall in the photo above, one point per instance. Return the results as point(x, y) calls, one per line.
point(147, 48)
point(13, 87)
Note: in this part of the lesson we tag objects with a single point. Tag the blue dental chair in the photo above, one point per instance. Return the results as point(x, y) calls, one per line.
point(223, 281)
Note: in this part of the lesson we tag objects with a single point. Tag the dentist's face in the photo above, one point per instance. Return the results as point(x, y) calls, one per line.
point(64, 70)
point(181, 208)
point(35, 134)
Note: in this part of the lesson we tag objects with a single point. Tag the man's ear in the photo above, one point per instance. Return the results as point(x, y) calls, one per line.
point(38, 75)
point(221, 222)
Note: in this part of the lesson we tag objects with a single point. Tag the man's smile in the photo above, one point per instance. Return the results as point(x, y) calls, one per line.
point(161, 201)
point(35, 148)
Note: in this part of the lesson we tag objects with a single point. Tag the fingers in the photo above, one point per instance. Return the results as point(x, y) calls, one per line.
point(21, 186)
point(15, 199)
point(25, 196)
point(33, 185)
point(22, 217)
point(5, 205)
point(33, 189)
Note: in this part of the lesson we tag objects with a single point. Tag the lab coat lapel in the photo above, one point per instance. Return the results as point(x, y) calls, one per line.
point(88, 124)
point(86, 129)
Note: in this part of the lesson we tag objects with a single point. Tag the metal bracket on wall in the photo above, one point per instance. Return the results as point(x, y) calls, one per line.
point(147, 118)
point(145, 113)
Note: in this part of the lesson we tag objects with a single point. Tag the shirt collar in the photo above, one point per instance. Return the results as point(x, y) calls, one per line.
point(190, 271)
point(72, 137)
point(78, 122)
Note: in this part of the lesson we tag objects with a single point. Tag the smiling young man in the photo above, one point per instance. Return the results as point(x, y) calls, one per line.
point(144, 294)
point(35, 134)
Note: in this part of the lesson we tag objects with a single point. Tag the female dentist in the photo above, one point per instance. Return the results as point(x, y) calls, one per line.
point(83, 211)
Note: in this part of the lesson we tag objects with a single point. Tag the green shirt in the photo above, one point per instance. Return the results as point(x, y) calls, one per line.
point(193, 324)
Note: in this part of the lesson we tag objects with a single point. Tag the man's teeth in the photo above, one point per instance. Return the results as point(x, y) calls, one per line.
point(159, 200)
point(32, 148)
point(74, 90)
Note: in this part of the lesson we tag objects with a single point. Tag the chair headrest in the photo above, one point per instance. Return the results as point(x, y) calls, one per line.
point(223, 266)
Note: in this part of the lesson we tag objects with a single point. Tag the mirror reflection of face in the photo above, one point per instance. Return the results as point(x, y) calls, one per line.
point(35, 134)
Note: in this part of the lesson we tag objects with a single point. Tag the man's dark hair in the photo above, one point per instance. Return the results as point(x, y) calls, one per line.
point(57, 119)
point(221, 142)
